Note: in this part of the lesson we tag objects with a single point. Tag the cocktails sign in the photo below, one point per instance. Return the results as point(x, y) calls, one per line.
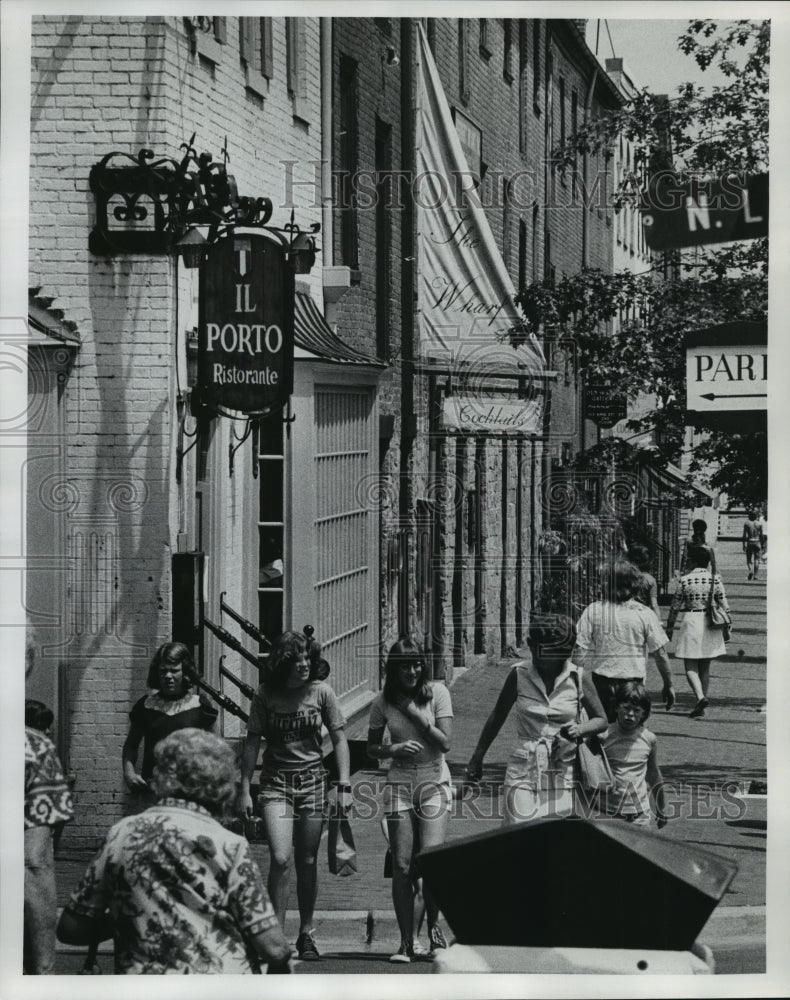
point(245, 332)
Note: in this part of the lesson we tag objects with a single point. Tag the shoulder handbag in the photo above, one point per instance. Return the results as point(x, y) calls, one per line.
point(341, 851)
point(593, 771)
point(717, 616)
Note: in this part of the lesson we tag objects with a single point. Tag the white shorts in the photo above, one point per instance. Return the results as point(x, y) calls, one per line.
point(424, 788)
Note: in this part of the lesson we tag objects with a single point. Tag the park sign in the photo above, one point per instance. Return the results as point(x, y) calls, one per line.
point(687, 211)
point(245, 325)
point(727, 375)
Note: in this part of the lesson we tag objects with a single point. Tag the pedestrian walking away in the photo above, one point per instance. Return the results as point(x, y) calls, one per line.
point(762, 522)
point(176, 890)
point(615, 635)
point(699, 530)
point(752, 542)
point(646, 591)
point(171, 704)
point(288, 711)
point(698, 642)
point(417, 796)
point(632, 751)
point(539, 779)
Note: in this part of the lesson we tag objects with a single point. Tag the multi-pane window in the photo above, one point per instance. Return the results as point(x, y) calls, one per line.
point(522, 253)
point(255, 44)
point(562, 111)
point(485, 51)
point(271, 550)
point(574, 127)
point(345, 526)
point(297, 68)
point(463, 60)
point(507, 52)
point(210, 35)
point(522, 85)
point(536, 82)
point(383, 237)
point(349, 162)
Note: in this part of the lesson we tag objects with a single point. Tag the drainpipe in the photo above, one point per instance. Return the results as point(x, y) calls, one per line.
point(585, 242)
point(327, 234)
point(407, 432)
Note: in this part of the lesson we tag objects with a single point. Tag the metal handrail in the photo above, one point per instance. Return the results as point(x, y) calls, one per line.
point(249, 628)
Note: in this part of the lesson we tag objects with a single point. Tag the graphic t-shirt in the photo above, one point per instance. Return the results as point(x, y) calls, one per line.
point(401, 727)
point(290, 720)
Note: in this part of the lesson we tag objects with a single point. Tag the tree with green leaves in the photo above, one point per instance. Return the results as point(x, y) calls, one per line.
point(705, 133)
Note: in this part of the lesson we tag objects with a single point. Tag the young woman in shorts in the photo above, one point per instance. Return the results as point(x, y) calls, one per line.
point(288, 711)
point(417, 795)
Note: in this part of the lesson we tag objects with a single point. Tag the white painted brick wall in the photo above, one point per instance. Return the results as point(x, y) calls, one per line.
point(118, 83)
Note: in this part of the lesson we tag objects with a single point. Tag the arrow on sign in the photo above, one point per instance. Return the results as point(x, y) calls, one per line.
point(734, 395)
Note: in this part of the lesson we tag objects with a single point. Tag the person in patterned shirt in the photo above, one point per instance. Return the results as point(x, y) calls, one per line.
point(177, 891)
point(47, 804)
point(698, 642)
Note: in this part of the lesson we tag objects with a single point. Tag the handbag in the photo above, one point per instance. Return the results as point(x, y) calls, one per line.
point(341, 852)
point(593, 771)
point(718, 616)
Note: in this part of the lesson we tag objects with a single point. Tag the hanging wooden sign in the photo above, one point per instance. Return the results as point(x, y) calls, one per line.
point(245, 328)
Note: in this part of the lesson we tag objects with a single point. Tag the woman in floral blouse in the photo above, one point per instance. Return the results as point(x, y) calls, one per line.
point(177, 891)
point(697, 642)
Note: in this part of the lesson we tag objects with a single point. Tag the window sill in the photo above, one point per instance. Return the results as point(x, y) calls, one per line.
point(301, 110)
point(207, 47)
point(256, 82)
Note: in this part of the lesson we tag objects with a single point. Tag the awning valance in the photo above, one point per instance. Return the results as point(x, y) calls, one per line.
point(47, 326)
point(315, 339)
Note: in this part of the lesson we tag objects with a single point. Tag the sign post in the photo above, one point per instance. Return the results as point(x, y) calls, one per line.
point(245, 329)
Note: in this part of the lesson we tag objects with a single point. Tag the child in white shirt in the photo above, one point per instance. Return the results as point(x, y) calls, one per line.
point(633, 757)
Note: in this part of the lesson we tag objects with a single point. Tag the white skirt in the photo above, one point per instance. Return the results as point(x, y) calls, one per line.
point(696, 640)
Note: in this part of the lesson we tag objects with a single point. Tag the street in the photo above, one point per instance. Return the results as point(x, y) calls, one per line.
point(697, 755)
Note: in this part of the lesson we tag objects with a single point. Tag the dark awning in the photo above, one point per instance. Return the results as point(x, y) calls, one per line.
point(47, 326)
point(670, 477)
point(313, 334)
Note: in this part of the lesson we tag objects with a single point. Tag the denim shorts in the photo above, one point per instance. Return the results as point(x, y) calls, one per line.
point(424, 788)
point(304, 789)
